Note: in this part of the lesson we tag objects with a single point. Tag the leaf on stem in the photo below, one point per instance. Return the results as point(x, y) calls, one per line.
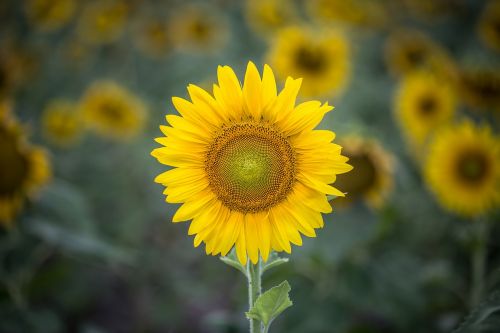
point(232, 261)
point(271, 304)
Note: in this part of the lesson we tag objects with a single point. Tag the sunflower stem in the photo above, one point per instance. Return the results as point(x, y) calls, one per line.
point(478, 262)
point(254, 276)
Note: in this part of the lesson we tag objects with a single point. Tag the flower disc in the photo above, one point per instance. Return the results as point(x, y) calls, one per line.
point(250, 167)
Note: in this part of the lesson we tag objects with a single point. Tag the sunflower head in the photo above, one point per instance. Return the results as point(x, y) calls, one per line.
point(322, 59)
point(152, 37)
point(25, 169)
point(267, 16)
point(371, 179)
point(463, 169)
point(198, 28)
point(248, 166)
point(112, 110)
point(423, 103)
point(62, 123)
point(49, 15)
point(407, 51)
point(103, 22)
point(480, 88)
point(489, 25)
point(363, 13)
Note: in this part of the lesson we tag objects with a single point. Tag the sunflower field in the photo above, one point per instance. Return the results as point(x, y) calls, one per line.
point(329, 166)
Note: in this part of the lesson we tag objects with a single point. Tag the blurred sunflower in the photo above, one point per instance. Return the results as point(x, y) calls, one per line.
point(489, 25)
point(61, 122)
point(103, 22)
point(432, 9)
point(112, 110)
point(198, 28)
point(17, 65)
point(423, 103)
point(152, 37)
point(24, 168)
point(480, 88)
point(321, 58)
point(249, 168)
point(372, 176)
point(363, 13)
point(49, 15)
point(463, 169)
point(409, 50)
point(267, 16)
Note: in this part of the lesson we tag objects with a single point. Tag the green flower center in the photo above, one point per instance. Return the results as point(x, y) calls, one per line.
point(250, 166)
point(13, 164)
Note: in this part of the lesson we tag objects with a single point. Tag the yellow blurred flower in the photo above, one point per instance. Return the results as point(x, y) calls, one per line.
point(267, 16)
point(249, 169)
point(480, 88)
point(152, 37)
point(363, 13)
point(23, 168)
point(372, 176)
point(17, 65)
point(489, 25)
point(321, 58)
point(49, 15)
point(422, 104)
point(432, 9)
point(198, 28)
point(103, 22)
point(462, 169)
point(112, 110)
point(62, 123)
point(410, 50)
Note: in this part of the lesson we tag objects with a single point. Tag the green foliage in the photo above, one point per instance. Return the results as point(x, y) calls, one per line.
point(271, 304)
point(483, 319)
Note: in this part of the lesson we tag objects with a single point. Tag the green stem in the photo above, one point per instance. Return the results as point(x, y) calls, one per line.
point(478, 266)
point(254, 290)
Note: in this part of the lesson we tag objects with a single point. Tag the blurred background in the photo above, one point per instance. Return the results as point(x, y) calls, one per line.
point(86, 243)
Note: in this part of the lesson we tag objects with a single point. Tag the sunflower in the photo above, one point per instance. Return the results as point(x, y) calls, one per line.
point(62, 122)
point(480, 88)
point(409, 50)
point(25, 168)
point(489, 25)
point(248, 166)
point(267, 16)
point(103, 22)
point(112, 110)
point(371, 178)
point(432, 9)
point(363, 13)
point(152, 37)
point(49, 15)
point(321, 58)
point(198, 28)
point(422, 104)
point(462, 169)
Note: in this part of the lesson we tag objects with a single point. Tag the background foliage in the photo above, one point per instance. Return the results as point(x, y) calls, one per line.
point(95, 252)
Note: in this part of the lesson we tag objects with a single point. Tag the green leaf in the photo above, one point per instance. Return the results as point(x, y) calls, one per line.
point(485, 318)
point(270, 304)
point(233, 261)
point(273, 261)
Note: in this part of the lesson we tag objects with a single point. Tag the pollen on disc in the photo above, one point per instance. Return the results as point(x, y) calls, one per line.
point(250, 167)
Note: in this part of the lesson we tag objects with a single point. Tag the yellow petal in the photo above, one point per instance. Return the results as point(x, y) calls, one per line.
point(252, 91)
point(252, 238)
